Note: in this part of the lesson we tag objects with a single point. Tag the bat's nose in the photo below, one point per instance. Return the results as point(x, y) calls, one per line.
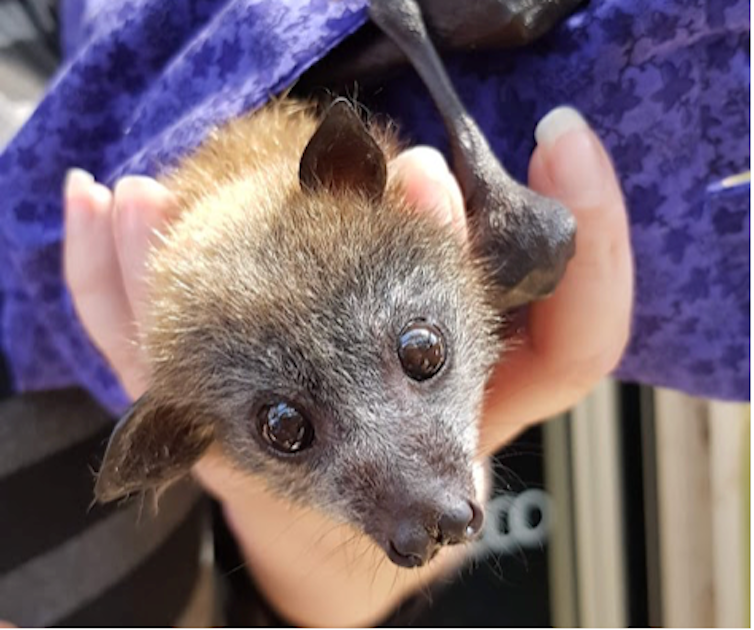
point(417, 537)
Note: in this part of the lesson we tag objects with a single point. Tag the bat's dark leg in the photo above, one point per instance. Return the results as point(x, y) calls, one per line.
point(527, 238)
point(368, 57)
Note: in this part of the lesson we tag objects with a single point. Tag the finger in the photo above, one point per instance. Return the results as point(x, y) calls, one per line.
point(577, 336)
point(143, 208)
point(588, 318)
point(93, 275)
point(429, 185)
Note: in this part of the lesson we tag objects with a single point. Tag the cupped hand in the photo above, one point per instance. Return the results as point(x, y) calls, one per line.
point(577, 336)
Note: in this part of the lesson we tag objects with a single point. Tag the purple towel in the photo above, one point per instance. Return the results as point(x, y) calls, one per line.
point(665, 83)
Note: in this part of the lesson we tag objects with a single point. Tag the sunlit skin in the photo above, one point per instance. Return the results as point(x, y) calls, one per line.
point(315, 571)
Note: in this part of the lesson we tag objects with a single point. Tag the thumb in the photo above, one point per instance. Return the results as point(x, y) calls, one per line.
point(576, 336)
point(591, 308)
point(571, 165)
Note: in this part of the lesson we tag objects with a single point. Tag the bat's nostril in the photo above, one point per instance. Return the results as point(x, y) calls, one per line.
point(408, 560)
point(454, 522)
point(477, 519)
point(411, 545)
point(460, 522)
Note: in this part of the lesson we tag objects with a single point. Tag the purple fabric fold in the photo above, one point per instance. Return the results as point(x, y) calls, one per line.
point(665, 84)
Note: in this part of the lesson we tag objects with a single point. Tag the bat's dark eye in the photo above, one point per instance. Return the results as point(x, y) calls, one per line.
point(421, 349)
point(285, 428)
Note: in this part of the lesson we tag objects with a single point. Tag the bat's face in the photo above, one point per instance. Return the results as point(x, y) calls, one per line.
point(360, 388)
point(338, 348)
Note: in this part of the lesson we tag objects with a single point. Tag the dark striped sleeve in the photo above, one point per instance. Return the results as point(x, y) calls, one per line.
point(64, 561)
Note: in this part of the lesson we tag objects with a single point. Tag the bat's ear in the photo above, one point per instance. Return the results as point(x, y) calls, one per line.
point(152, 445)
point(343, 156)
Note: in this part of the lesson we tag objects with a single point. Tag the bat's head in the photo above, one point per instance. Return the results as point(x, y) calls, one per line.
point(337, 345)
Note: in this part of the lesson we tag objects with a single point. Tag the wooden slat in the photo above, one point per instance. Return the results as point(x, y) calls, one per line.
point(599, 519)
point(685, 510)
point(561, 548)
point(727, 428)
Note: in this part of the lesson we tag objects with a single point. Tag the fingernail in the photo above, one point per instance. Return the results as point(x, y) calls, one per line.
point(76, 177)
point(576, 164)
point(558, 123)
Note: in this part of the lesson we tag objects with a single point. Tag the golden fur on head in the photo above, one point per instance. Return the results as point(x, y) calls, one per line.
point(250, 244)
point(266, 144)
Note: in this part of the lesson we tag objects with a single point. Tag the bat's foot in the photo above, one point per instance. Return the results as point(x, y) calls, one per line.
point(526, 240)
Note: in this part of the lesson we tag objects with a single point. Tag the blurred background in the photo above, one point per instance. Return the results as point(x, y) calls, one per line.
point(632, 510)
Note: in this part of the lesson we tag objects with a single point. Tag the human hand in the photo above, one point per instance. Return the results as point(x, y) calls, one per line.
point(577, 336)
